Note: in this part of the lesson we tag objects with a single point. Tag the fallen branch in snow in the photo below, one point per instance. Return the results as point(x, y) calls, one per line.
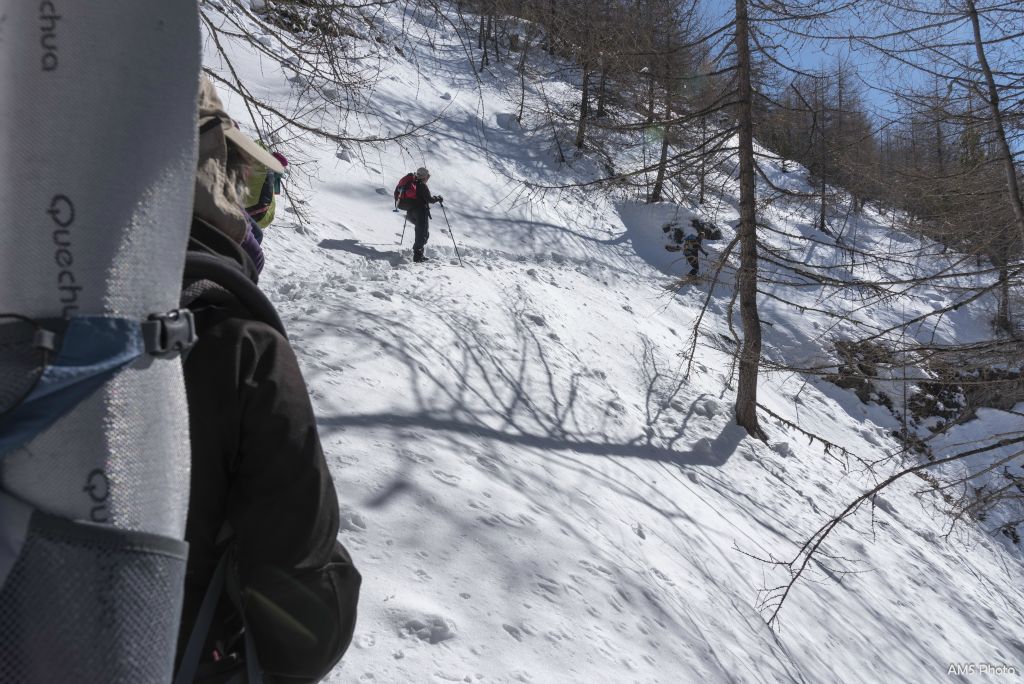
point(776, 597)
point(828, 446)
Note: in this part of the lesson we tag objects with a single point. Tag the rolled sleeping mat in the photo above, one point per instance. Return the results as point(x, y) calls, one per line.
point(98, 140)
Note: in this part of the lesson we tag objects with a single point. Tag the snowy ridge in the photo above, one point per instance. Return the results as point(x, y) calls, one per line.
point(532, 489)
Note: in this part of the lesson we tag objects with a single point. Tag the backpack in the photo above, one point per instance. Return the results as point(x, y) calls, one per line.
point(206, 268)
point(405, 192)
point(710, 230)
point(229, 276)
point(94, 452)
point(260, 201)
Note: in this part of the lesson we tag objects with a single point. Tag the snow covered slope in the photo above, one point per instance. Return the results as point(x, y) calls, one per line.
point(532, 486)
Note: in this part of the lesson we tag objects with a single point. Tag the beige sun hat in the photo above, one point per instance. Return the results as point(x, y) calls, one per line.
point(211, 112)
point(216, 198)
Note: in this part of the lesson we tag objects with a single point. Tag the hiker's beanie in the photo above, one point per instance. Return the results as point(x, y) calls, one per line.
point(422, 172)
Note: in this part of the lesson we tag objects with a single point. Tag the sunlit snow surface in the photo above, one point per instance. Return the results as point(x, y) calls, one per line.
point(531, 488)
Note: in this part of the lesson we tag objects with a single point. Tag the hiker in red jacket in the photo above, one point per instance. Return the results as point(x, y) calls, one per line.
point(419, 213)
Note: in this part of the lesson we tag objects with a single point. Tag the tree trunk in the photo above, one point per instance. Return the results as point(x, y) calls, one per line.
point(822, 224)
point(659, 182)
point(602, 88)
point(823, 169)
point(527, 39)
point(650, 97)
point(1003, 318)
point(1000, 260)
point(492, 24)
point(750, 354)
point(997, 119)
point(482, 42)
point(522, 74)
point(552, 16)
point(581, 132)
point(703, 155)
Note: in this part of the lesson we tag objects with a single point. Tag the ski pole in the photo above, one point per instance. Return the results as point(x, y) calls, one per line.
point(404, 221)
point(452, 235)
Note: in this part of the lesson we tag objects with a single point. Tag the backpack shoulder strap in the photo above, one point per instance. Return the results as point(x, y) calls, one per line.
point(190, 667)
point(228, 275)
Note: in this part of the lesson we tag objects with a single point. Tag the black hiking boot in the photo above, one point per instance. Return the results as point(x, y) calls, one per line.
point(418, 257)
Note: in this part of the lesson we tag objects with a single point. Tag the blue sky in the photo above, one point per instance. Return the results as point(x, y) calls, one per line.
point(876, 77)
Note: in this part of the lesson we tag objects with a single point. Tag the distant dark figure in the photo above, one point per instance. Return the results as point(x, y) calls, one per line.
point(692, 244)
point(419, 213)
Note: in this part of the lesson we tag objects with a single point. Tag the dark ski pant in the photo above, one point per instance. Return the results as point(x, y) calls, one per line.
point(694, 263)
point(420, 220)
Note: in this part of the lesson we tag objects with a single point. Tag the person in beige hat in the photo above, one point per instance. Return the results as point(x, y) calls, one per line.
point(268, 588)
point(224, 156)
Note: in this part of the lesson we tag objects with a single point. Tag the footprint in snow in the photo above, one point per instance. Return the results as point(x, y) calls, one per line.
point(452, 676)
point(351, 520)
point(514, 631)
point(662, 576)
point(487, 464)
point(595, 569)
point(447, 478)
point(707, 408)
point(381, 295)
point(506, 120)
point(783, 449)
point(884, 504)
point(432, 629)
point(549, 588)
point(557, 636)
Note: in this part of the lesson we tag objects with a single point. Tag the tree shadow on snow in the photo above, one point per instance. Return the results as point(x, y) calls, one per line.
point(473, 388)
point(508, 388)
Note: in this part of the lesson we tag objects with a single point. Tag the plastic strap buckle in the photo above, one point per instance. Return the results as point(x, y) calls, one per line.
point(44, 339)
point(169, 333)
